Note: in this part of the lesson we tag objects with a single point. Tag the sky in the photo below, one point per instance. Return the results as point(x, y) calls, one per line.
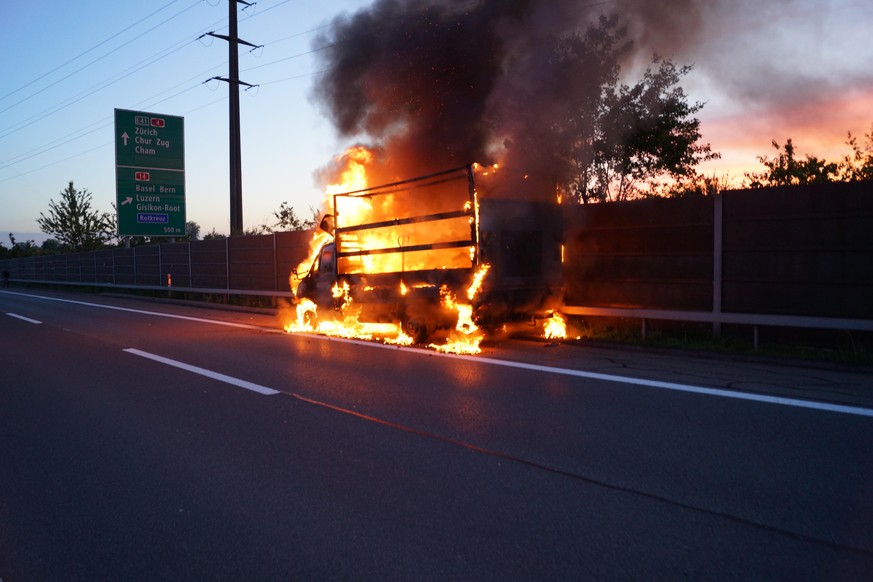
point(783, 69)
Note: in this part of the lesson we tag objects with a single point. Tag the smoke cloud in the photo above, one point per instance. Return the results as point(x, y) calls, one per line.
point(436, 84)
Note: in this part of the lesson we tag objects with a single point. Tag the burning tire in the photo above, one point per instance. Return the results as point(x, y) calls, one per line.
point(416, 328)
point(310, 319)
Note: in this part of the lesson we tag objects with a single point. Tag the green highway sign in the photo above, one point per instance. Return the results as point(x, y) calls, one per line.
point(150, 202)
point(149, 173)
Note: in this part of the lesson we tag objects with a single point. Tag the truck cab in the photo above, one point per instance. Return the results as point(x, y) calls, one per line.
point(317, 285)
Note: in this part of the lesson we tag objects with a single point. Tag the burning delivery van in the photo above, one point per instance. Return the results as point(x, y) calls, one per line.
point(458, 249)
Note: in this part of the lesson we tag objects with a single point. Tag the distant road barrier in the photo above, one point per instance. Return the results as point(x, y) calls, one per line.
point(785, 257)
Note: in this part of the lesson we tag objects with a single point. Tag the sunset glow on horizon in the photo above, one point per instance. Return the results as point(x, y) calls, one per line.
point(788, 69)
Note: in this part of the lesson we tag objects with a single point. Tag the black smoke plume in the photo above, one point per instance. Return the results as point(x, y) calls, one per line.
point(436, 84)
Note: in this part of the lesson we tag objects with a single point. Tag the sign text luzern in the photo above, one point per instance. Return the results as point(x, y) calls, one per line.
point(149, 173)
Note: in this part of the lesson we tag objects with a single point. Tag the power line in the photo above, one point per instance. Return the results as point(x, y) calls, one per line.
point(294, 78)
point(86, 93)
point(112, 79)
point(74, 136)
point(80, 55)
point(297, 56)
point(95, 88)
point(97, 147)
point(56, 144)
point(106, 122)
point(98, 59)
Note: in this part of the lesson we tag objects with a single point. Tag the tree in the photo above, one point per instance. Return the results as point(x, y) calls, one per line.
point(645, 132)
point(192, 230)
point(859, 164)
point(556, 138)
point(693, 185)
point(613, 141)
point(256, 230)
point(74, 223)
point(20, 249)
point(642, 135)
point(213, 235)
point(51, 246)
point(287, 219)
point(787, 170)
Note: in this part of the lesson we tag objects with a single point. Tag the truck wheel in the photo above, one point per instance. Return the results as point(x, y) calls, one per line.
point(416, 329)
point(310, 318)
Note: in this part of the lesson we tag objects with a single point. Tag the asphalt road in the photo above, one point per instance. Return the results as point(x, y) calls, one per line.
point(143, 441)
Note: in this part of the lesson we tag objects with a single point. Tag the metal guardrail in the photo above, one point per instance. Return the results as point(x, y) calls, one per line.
point(644, 315)
point(712, 287)
point(726, 318)
point(167, 288)
point(715, 318)
point(718, 318)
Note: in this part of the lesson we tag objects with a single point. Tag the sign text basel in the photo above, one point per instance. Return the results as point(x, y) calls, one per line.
point(149, 173)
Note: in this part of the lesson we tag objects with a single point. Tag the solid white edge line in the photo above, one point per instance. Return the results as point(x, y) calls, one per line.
point(140, 311)
point(22, 318)
point(781, 400)
point(793, 402)
point(204, 372)
point(720, 392)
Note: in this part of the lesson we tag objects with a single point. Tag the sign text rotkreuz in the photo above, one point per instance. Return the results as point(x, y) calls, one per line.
point(149, 173)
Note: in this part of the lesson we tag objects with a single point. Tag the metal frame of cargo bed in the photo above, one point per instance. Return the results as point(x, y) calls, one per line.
point(403, 186)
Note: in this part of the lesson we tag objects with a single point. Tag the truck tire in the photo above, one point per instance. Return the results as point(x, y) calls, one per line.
point(310, 318)
point(417, 329)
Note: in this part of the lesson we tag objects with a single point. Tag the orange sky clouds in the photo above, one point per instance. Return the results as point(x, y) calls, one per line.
point(818, 127)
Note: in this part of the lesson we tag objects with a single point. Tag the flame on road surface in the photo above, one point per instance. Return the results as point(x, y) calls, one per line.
point(555, 327)
point(463, 339)
point(346, 325)
point(466, 336)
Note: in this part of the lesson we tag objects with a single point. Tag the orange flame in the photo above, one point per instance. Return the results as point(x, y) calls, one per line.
point(318, 240)
point(352, 178)
point(555, 327)
point(358, 210)
point(474, 287)
point(306, 311)
point(466, 336)
point(346, 326)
